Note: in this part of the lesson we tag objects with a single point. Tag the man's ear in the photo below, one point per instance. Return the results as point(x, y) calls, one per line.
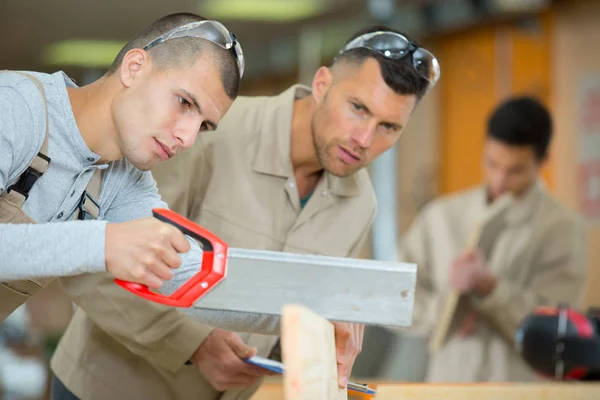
point(133, 62)
point(321, 83)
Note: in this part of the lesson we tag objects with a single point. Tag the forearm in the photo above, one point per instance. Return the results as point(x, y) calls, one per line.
point(54, 249)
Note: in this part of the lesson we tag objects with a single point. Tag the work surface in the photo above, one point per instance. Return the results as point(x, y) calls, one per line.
point(411, 391)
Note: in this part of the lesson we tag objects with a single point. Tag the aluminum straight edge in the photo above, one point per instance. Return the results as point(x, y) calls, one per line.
point(340, 289)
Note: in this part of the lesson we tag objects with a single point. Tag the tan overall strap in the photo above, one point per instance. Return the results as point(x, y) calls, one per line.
point(14, 294)
point(41, 164)
point(93, 188)
point(91, 196)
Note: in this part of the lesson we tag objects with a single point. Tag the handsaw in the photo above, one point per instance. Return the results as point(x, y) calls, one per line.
point(256, 281)
point(482, 236)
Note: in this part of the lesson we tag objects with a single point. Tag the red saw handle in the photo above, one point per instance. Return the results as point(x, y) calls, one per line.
point(214, 264)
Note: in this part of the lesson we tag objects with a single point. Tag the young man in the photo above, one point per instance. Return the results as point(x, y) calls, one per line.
point(159, 94)
point(282, 173)
point(538, 257)
point(150, 105)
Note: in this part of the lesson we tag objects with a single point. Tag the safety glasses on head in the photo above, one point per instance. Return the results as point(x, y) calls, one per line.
point(212, 31)
point(395, 46)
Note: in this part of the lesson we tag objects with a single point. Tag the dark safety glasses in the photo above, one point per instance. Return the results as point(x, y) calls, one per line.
point(395, 46)
point(212, 31)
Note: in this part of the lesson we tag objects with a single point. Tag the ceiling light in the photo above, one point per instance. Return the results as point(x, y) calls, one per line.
point(82, 53)
point(262, 10)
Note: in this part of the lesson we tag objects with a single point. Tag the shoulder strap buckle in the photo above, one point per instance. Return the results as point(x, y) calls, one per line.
point(89, 205)
point(30, 176)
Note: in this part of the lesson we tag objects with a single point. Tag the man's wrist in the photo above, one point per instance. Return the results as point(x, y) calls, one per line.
point(485, 285)
point(194, 358)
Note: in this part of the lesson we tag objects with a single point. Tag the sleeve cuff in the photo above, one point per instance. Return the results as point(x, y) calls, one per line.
point(183, 341)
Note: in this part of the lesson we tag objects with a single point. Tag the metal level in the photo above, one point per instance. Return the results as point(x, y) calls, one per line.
point(338, 289)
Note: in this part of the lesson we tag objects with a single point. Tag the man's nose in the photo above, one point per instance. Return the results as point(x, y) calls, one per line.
point(186, 136)
point(363, 136)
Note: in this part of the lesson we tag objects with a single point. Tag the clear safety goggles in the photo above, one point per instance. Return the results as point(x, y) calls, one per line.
point(212, 31)
point(395, 46)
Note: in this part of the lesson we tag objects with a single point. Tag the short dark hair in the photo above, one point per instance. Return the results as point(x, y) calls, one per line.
point(182, 51)
point(398, 74)
point(522, 121)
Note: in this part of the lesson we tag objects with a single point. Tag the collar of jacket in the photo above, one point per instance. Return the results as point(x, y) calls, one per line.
point(526, 206)
point(522, 209)
point(273, 152)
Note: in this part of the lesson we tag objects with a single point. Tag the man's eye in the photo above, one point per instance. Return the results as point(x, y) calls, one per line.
point(204, 127)
point(184, 102)
point(357, 107)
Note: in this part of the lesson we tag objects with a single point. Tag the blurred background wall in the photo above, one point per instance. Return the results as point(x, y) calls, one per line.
point(488, 50)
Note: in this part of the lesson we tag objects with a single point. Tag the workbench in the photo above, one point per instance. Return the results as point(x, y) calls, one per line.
point(273, 390)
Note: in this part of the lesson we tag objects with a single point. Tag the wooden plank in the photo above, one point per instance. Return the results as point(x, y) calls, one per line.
point(440, 332)
point(482, 236)
point(308, 352)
